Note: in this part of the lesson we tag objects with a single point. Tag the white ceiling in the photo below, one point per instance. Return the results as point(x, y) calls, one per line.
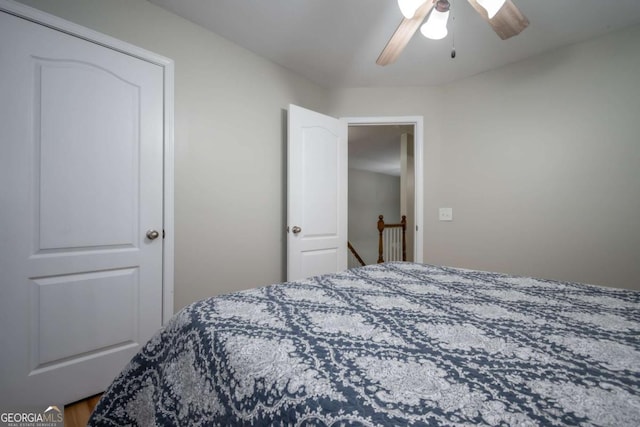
point(376, 148)
point(335, 43)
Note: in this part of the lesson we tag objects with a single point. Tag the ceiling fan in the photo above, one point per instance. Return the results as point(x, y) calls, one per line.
point(502, 15)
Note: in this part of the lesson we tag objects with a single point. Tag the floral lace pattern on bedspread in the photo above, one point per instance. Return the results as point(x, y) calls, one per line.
point(387, 345)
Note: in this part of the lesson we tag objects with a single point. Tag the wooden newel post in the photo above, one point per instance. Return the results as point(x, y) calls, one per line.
point(380, 230)
point(404, 241)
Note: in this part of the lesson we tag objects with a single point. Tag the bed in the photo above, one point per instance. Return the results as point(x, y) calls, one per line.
point(391, 345)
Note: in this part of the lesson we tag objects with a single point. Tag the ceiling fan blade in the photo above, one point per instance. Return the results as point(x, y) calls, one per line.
point(403, 34)
point(508, 22)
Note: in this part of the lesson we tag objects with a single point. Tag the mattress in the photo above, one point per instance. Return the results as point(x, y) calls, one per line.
point(391, 345)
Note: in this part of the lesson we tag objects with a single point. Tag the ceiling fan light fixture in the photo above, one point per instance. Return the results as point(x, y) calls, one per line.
point(436, 26)
point(491, 6)
point(409, 7)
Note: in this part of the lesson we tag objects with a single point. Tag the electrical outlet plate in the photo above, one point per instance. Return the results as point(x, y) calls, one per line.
point(445, 214)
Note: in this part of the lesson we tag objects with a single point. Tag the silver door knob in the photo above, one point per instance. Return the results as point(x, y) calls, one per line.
point(296, 229)
point(152, 234)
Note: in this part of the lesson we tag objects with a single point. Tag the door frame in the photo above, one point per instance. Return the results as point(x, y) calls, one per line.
point(168, 242)
point(418, 143)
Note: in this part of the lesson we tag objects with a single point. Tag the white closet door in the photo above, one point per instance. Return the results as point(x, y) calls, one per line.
point(81, 183)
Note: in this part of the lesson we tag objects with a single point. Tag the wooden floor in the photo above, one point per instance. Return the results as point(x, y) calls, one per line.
point(77, 414)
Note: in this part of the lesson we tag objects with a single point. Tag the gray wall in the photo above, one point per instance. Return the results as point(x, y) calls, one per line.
point(371, 194)
point(408, 190)
point(540, 161)
point(229, 139)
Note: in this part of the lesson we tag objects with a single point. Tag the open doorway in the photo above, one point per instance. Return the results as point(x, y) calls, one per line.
point(317, 225)
point(385, 170)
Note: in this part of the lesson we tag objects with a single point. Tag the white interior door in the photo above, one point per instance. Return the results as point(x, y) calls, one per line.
point(317, 194)
point(81, 172)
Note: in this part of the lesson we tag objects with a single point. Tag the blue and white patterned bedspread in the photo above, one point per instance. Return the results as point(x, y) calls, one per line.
point(390, 345)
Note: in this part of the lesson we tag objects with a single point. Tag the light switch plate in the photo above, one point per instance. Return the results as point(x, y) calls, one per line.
point(445, 214)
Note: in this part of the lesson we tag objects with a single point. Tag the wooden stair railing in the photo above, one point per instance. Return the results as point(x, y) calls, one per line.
point(381, 246)
point(355, 253)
